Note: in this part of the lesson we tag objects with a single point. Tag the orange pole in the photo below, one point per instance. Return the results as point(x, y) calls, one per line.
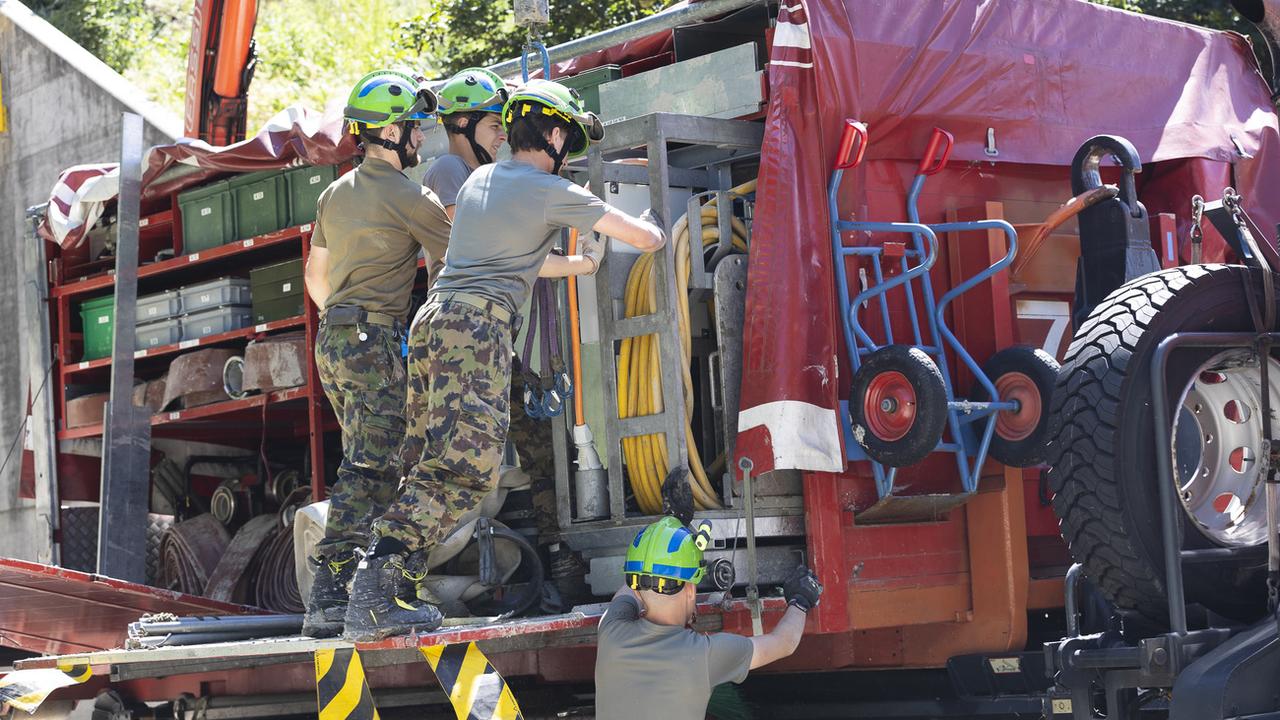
point(575, 336)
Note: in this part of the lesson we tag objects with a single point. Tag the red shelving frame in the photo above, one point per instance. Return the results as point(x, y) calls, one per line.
point(234, 421)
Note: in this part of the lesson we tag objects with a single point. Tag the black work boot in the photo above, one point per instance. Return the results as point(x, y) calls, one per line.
point(384, 598)
point(328, 602)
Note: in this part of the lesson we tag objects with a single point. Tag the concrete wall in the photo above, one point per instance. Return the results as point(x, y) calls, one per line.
point(63, 109)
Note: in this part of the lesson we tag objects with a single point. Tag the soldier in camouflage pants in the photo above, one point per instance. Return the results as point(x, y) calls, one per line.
point(364, 379)
point(458, 412)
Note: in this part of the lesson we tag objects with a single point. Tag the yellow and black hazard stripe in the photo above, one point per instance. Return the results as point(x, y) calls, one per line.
point(475, 689)
point(341, 690)
point(27, 689)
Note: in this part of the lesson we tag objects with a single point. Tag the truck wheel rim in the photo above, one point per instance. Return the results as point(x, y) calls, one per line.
point(1217, 441)
point(1015, 425)
point(890, 406)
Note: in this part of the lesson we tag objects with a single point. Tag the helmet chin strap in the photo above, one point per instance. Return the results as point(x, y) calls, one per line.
point(401, 148)
point(469, 132)
point(557, 156)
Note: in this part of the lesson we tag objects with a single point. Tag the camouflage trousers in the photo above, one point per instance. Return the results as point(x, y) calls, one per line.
point(362, 374)
point(457, 420)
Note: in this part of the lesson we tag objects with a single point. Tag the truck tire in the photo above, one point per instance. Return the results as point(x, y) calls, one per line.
point(1103, 472)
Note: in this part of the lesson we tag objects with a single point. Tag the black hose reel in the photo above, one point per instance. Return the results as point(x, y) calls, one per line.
point(1115, 234)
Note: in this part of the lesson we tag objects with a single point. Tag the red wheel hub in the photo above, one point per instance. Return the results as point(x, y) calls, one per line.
point(889, 406)
point(1015, 425)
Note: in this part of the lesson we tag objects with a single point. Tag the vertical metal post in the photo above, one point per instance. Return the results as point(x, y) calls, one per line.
point(607, 315)
point(126, 443)
point(672, 364)
point(753, 574)
point(40, 385)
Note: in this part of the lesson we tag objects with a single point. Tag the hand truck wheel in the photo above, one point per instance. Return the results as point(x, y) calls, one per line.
point(1027, 375)
point(898, 405)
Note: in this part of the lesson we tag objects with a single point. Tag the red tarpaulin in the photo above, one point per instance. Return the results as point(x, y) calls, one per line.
point(1040, 77)
point(294, 136)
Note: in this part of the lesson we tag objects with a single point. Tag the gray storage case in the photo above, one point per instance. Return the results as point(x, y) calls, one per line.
point(156, 334)
point(158, 306)
point(216, 293)
point(216, 320)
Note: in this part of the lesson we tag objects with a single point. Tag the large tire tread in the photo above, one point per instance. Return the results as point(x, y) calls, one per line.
point(1085, 411)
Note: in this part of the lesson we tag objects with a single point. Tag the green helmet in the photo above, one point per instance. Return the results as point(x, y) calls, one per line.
point(666, 555)
point(386, 97)
point(552, 98)
point(473, 90)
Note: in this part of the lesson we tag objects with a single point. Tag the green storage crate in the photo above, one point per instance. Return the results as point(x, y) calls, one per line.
point(588, 84)
point(277, 291)
point(305, 185)
point(208, 217)
point(261, 203)
point(97, 317)
point(266, 311)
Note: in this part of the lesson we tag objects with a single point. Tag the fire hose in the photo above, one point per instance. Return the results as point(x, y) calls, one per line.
point(276, 584)
point(189, 552)
point(639, 370)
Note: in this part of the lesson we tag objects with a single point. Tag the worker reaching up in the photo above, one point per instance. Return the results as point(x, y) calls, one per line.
point(471, 110)
point(508, 215)
point(646, 648)
point(370, 225)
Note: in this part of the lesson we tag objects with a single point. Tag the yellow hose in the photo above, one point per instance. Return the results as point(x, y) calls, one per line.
point(639, 366)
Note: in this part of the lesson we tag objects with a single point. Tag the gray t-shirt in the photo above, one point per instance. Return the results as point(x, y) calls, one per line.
point(445, 177)
point(641, 666)
point(506, 218)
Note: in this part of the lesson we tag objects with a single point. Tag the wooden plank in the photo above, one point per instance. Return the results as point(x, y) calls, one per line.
point(724, 84)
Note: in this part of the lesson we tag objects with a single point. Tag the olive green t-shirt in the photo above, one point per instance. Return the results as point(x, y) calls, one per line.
point(506, 218)
point(645, 670)
point(373, 220)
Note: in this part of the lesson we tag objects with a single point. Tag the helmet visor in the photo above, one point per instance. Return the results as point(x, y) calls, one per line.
point(424, 104)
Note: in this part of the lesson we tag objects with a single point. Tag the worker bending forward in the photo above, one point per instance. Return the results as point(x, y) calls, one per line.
point(507, 216)
point(370, 225)
point(646, 649)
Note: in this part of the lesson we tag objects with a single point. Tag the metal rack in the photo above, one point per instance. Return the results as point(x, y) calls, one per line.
point(242, 420)
point(682, 151)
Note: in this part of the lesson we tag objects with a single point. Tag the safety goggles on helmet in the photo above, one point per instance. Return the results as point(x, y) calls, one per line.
point(473, 90)
point(666, 555)
point(386, 97)
point(552, 99)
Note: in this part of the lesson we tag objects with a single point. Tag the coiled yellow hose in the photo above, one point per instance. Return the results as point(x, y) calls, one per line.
point(639, 366)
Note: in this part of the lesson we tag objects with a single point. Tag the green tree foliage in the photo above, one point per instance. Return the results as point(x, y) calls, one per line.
point(113, 30)
point(456, 34)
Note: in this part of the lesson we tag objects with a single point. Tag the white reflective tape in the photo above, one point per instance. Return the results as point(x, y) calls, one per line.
point(804, 436)
point(175, 415)
point(188, 344)
point(193, 257)
point(286, 287)
point(789, 63)
point(260, 328)
point(1169, 253)
point(247, 243)
point(793, 35)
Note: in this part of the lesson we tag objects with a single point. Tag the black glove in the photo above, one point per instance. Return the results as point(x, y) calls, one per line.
point(802, 589)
